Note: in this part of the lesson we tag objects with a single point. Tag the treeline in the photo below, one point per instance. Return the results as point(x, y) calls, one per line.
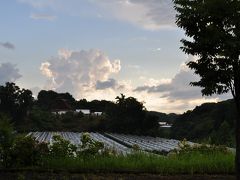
point(211, 123)
point(126, 115)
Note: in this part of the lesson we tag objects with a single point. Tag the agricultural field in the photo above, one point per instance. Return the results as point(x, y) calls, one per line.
point(121, 143)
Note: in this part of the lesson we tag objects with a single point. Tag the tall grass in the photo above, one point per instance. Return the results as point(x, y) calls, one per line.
point(190, 163)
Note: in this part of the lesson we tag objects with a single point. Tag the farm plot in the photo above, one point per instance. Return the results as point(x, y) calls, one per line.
point(121, 143)
point(146, 142)
point(74, 138)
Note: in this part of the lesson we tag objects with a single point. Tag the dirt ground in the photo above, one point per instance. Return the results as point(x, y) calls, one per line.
point(108, 176)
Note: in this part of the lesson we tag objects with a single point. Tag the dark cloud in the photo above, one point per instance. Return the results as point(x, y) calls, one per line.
point(8, 73)
point(148, 14)
point(110, 83)
point(178, 88)
point(160, 12)
point(7, 45)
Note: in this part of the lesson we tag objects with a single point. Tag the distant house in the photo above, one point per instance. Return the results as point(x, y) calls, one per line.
point(84, 111)
point(88, 112)
point(97, 113)
point(61, 106)
point(164, 125)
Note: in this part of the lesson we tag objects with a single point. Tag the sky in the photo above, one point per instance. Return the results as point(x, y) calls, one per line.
point(97, 49)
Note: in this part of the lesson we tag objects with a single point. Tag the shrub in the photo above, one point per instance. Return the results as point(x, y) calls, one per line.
point(62, 147)
point(26, 151)
point(6, 139)
point(186, 148)
point(89, 146)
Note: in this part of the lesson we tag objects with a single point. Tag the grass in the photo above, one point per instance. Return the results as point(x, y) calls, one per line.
point(190, 163)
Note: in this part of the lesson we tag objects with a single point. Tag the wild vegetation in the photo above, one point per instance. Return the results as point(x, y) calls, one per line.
point(126, 115)
point(23, 152)
point(210, 123)
point(212, 31)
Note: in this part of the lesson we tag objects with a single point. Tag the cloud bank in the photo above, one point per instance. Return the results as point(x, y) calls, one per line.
point(80, 72)
point(178, 88)
point(8, 73)
point(148, 14)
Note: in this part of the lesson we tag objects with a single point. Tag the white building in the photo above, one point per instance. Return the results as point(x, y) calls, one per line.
point(84, 111)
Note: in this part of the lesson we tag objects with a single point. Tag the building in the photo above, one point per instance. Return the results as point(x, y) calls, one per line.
point(84, 111)
point(164, 125)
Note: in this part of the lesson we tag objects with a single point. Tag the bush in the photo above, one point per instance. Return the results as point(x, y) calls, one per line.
point(89, 146)
point(62, 147)
point(26, 151)
point(6, 139)
point(186, 148)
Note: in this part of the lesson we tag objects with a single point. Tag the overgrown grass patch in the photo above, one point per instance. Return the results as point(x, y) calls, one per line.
point(193, 163)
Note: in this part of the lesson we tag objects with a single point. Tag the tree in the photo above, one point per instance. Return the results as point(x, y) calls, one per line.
point(213, 28)
point(47, 100)
point(15, 101)
point(128, 115)
point(6, 139)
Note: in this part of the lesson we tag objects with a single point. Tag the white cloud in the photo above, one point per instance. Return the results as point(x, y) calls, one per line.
point(177, 88)
point(8, 73)
point(35, 91)
point(176, 94)
point(149, 14)
point(45, 69)
point(80, 72)
point(43, 17)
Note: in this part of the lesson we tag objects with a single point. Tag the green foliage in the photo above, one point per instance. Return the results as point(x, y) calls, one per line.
point(6, 139)
point(48, 99)
point(194, 163)
point(27, 152)
point(15, 101)
point(135, 147)
point(62, 147)
point(211, 122)
point(128, 115)
point(185, 148)
point(213, 28)
point(39, 120)
point(89, 147)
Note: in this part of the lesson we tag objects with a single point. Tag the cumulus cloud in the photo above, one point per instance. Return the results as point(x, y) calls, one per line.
point(43, 17)
point(80, 72)
point(177, 88)
point(7, 45)
point(150, 14)
point(175, 94)
point(8, 73)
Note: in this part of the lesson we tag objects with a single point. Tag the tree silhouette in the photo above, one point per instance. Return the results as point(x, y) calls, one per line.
point(213, 28)
point(15, 101)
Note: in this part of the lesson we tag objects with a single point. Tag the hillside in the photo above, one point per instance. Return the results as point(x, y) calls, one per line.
point(163, 117)
point(209, 122)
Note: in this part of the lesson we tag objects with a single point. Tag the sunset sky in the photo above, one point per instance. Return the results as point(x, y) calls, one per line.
point(97, 49)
